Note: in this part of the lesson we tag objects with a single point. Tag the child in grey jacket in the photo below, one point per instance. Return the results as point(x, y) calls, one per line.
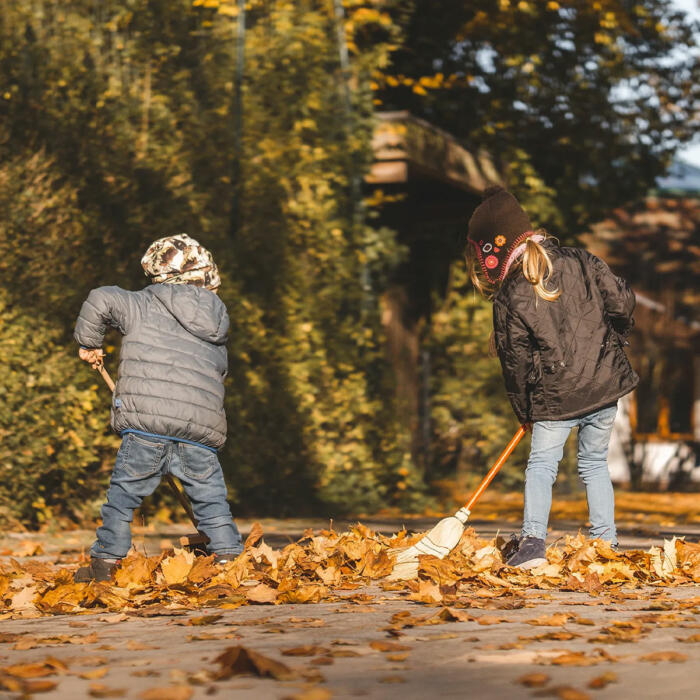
point(168, 404)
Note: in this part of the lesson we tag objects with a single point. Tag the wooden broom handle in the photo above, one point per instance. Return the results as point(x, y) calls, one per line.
point(495, 468)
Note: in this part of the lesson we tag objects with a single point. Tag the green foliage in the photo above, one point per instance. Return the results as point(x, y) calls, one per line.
point(119, 129)
point(55, 449)
point(472, 419)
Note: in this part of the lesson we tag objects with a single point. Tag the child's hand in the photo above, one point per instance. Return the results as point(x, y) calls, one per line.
point(94, 356)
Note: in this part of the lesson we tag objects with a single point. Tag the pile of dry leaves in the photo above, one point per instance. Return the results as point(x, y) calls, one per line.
point(329, 566)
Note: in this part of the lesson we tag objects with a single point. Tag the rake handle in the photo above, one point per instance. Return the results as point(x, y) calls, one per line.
point(171, 482)
point(496, 467)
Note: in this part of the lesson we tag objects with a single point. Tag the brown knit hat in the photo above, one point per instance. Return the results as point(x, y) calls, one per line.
point(498, 226)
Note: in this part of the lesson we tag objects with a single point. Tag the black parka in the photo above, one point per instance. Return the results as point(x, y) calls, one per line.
point(565, 358)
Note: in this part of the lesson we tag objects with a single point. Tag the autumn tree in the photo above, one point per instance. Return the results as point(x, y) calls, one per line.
point(593, 98)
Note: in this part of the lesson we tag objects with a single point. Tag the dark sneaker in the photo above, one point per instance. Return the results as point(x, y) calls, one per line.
point(530, 554)
point(97, 570)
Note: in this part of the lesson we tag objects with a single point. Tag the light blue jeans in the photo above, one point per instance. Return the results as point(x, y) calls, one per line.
point(548, 439)
point(141, 461)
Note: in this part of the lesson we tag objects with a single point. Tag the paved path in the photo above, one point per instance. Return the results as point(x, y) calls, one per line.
point(483, 658)
point(480, 658)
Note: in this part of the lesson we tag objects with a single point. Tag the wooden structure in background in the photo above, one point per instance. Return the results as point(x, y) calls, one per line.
point(655, 244)
point(424, 185)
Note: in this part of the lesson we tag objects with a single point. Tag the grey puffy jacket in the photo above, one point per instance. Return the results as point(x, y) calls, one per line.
point(172, 362)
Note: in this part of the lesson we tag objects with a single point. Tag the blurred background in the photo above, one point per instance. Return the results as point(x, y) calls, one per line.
point(330, 153)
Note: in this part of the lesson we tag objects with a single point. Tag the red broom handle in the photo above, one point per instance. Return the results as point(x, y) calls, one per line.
point(495, 468)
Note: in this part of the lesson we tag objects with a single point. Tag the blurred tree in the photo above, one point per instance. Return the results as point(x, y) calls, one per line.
point(594, 96)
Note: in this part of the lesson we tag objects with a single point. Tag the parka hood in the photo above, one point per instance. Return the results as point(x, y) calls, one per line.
point(198, 310)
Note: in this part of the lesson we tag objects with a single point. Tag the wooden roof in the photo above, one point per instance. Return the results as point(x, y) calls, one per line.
point(407, 148)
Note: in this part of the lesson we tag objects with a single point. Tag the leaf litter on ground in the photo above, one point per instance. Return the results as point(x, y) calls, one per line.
point(327, 566)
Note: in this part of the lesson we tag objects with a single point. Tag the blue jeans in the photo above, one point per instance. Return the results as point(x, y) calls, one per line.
point(548, 438)
point(141, 461)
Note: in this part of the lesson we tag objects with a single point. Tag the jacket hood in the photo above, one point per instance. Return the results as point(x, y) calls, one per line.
point(198, 310)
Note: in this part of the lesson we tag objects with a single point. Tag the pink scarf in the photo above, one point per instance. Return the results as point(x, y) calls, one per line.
point(517, 252)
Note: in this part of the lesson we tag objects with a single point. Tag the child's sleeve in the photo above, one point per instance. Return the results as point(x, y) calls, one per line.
point(105, 307)
point(515, 354)
point(618, 297)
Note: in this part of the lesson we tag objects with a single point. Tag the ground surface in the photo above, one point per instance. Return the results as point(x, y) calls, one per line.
point(645, 644)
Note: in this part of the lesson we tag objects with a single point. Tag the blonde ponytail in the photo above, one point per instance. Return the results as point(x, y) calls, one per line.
point(537, 269)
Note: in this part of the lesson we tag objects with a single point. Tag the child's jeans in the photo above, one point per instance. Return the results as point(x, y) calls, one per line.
point(141, 461)
point(548, 438)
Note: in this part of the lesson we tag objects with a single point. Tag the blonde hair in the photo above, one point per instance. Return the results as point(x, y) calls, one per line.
point(535, 263)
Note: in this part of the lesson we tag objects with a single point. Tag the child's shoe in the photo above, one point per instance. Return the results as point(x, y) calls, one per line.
point(97, 570)
point(530, 554)
point(223, 559)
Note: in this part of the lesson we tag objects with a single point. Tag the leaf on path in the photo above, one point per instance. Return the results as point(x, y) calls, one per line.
point(602, 681)
point(48, 667)
point(534, 680)
point(310, 593)
point(564, 692)
point(691, 639)
point(310, 694)
point(176, 568)
point(382, 645)
point(94, 675)
point(237, 661)
point(490, 620)
point(261, 594)
point(135, 571)
point(456, 615)
point(168, 692)
point(657, 656)
point(305, 650)
point(99, 690)
point(133, 645)
point(426, 592)
point(579, 658)
point(555, 620)
point(204, 620)
point(203, 569)
point(256, 533)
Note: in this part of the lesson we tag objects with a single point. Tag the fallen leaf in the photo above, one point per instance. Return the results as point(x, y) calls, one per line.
point(168, 692)
point(306, 650)
point(261, 594)
point(556, 620)
point(98, 690)
point(203, 620)
point(94, 675)
point(601, 681)
point(310, 694)
point(392, 679)
point(42, 686)
point(237, 661)
point(256, 533)
point(176, 568)
point(388, 646)
point(656, 656)
point(48, 667)
point(565, 692)
point(534, 680)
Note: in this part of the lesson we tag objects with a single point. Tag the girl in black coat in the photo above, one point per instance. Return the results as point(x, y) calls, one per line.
point(560, 320)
